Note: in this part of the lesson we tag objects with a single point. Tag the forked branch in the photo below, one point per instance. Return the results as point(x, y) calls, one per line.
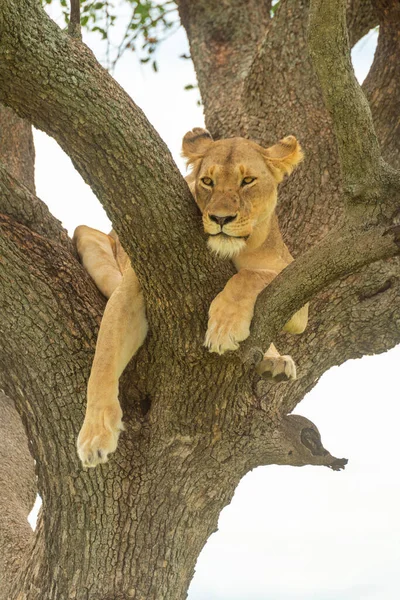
point(371, 232)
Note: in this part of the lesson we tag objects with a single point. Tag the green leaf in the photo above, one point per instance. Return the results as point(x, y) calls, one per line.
point(274, 8)
point(102, 31)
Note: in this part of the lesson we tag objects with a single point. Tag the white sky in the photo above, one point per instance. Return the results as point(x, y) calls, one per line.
point(289, 533)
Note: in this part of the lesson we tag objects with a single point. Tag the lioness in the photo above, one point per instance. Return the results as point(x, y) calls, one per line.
point(234, 183)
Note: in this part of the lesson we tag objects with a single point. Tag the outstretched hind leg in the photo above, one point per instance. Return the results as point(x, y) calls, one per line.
point(122, 332)
point(96, 251)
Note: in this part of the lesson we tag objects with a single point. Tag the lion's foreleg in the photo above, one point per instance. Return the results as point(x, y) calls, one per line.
point(122, 331)
point(230, 317)
point(232, 310)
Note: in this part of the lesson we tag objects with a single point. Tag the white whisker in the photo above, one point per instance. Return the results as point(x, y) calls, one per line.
point(226, 247)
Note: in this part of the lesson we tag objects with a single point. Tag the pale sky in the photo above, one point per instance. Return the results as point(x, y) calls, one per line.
point(290, 533)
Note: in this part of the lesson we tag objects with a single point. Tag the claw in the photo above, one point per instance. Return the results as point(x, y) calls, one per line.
point(277, 369)
point(99, 435)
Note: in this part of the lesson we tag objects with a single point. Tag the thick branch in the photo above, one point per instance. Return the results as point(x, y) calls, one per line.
point(361, 18)
point(18, 491)
point(293, 441)
point(57, 83)
point(302, 445)
point(339, 254)
point(358, 145)
point(17, 151)
point(223, 38)
point(382, 86)
point(18, 202)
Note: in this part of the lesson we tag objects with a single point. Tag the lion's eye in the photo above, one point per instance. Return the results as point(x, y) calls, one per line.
point(207, 181)
point(248, 180)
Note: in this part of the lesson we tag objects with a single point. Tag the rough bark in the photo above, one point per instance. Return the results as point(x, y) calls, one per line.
point(18, 202)
point(382, 86)
point(361, 18)
point(17, 495)
point(178, 464)
point(196, 423)
point(222, 43)
point(74, 25)
point(17, 152)
point(358, 145)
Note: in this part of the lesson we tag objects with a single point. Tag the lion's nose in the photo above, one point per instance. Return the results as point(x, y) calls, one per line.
point(222, 220)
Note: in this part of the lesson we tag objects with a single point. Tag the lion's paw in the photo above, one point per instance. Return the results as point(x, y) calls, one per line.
point(226, 326)
point(99, 435)
point(277, 368)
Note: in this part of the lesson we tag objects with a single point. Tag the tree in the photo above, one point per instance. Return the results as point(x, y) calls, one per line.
point(196, 423)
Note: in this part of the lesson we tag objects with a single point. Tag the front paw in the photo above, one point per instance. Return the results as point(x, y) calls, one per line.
point(277, 368)
point(228, 325)
point(99, 434)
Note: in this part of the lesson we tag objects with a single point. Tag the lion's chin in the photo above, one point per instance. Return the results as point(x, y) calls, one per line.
point(226, 246)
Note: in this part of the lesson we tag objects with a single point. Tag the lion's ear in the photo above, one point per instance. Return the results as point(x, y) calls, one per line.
point(283, 157)
point(195, 143)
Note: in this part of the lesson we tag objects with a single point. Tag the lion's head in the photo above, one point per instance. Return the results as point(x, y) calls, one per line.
point(234, 183)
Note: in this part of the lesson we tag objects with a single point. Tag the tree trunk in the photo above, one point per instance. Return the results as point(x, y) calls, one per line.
point(179, 462)
point(196, 423)
point(17, 495)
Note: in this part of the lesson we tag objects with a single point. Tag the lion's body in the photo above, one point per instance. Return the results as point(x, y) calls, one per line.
point(234, 183)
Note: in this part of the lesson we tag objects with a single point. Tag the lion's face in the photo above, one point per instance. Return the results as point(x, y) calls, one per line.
point(234, 183)
point(235, 191)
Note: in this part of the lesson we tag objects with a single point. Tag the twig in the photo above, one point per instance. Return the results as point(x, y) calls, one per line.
point(123, 46)
point(74, 26)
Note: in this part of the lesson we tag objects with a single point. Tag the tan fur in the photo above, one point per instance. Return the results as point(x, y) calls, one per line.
point(234, 183)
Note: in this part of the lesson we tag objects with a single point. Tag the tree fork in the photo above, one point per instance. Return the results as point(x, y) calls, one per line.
point(166, 485)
